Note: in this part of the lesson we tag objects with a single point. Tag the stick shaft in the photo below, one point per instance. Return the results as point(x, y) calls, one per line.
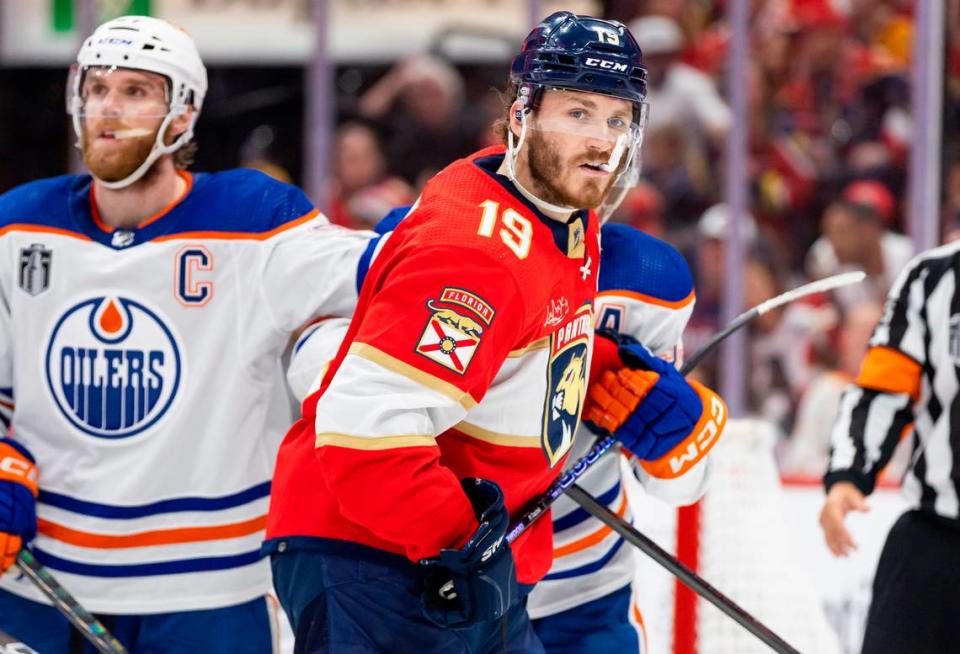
point(819, 286)
point(540, 505)
point(78, 616)
point(699, 585)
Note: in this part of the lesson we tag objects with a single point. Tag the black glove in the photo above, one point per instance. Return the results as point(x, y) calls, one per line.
point(478, 582)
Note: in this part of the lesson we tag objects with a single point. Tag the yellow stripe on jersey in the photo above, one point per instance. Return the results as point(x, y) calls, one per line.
point(507, 440)
point(373, 442)
point(889, 371)
point(381, 358)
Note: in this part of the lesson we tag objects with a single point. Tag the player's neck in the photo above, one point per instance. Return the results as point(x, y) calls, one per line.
point(128, 207)
point(523, 182)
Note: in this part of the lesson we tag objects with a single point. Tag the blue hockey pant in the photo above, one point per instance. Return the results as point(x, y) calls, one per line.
point(606, 624)
point(347, 605)
point(246, 628)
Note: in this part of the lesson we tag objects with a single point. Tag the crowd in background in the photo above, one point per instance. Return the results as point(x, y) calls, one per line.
point(829, 135)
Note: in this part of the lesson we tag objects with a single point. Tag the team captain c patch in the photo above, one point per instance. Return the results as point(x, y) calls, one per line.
point(451, 338)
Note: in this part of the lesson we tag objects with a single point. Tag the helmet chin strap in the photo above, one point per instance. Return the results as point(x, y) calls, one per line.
point(512, 153)
point(157, 151)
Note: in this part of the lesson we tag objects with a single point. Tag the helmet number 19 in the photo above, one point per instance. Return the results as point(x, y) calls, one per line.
point(516, 232)
point(608, 36)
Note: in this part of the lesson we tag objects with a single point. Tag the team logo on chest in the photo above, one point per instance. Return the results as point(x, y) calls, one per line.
point(566, 384)
point(113, 366)
point(34, 269)
point(451, 337)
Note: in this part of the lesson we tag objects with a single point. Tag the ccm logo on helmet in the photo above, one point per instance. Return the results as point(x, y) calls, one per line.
point(703, 441)
point(113, 40)
point(605, 64)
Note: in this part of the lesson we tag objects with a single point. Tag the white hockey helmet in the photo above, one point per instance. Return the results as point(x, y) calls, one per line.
point(153, 45)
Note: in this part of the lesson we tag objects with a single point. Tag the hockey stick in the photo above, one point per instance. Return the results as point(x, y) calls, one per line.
point(819, 286)
point(78, 616)
point(566, 483)
point(687, 576)
point(10, 645)
point(539, 506)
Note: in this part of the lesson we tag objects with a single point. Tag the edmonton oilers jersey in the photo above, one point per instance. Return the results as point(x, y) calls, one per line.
point(142, 368)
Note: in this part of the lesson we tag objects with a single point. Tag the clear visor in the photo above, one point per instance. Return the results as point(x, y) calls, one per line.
point(104, 92)
point(582, 123)
point(623, 131)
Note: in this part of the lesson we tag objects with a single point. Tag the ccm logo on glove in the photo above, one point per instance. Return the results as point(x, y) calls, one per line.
point(692, 449)
point(15, 467)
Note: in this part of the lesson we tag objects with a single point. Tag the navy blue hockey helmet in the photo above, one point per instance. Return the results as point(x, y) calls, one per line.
point(580, 53)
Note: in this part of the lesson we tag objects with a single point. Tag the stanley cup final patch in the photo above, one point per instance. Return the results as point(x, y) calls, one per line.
point(451, 336)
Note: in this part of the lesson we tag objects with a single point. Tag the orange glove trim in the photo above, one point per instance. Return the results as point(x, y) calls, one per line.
point(614, 397)
point(10, 546)
point(15, 467)
point(691, 450)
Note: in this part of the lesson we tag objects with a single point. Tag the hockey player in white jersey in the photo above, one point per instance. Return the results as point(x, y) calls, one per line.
point(584, 604)
point(143, 314)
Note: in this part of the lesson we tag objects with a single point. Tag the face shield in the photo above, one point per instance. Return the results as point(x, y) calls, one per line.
point(123, 103)
point(117, 95)
point(617, 137)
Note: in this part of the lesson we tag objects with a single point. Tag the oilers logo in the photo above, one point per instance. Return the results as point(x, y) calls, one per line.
point(113, 367)
point(566, 384)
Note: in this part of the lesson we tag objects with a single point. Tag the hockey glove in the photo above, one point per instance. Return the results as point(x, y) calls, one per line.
point(476, 583)
point(18, 493)
point(651, 409)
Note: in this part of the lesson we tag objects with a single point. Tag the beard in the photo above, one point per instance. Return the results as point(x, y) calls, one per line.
point(120, 161)
point(547, 169)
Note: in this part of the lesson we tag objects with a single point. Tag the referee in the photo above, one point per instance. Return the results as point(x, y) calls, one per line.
point(909, 376)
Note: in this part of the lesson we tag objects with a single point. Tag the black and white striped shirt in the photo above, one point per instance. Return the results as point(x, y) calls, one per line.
point(909, 375)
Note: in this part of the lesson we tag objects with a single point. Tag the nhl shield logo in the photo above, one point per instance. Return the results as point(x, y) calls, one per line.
point(34, 276)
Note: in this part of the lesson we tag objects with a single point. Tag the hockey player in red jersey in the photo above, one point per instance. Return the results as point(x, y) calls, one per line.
point(455, 396)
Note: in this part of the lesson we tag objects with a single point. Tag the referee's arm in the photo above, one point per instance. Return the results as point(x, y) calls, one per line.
point(878, 408)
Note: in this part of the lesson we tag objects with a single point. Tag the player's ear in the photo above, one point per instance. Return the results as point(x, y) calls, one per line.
point(516, 111)
point(179, 125)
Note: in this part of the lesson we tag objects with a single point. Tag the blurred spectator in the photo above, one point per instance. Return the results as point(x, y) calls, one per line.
point(678, 93)
point(809, 444)
point(706, 252)
point(363, 192)
point(667, 168)
point(257, 152)
point(875, 196)
point(783, 344)
point(807, 450)
point(642, 208)
point(420, 105)
point(855, 238)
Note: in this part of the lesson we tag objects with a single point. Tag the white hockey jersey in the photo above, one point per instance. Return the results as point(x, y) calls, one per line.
point(142, 368)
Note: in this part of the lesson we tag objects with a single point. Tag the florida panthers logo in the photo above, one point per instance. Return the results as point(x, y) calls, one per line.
point(113, 366)
point(566, 384)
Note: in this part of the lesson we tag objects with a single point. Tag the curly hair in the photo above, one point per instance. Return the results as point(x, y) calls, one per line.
point(185, 154)
point(501, 126)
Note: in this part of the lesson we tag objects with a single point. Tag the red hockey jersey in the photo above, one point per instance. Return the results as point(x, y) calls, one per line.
point(467, 357)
